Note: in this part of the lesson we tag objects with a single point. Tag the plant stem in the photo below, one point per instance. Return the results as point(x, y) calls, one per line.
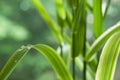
point(84, 62)
point(84, 54)
point(84, 70)
point(73, 58)
point(84, 47)
point(73, 63)
point(61, 46)
point(106, 10)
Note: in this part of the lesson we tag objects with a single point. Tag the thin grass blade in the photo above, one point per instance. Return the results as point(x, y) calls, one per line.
point(108, 58)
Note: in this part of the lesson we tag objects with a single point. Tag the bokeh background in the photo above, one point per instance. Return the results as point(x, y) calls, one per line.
point(21, 24)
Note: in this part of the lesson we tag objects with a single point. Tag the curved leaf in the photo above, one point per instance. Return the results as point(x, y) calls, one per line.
point(55, 60)
point(108, 58)
point(101, 40)
point(12, 62)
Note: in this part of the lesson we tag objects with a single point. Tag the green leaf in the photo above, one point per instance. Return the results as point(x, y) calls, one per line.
point(79, 27)
point(12, 62)
point(101, 40)
point(108, 58)
point(55, 60)
point(98, 18)
point(55, 28)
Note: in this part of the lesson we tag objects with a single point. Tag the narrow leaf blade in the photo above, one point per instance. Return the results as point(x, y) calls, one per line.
point(55, 60)
point(101, 40)
point(12, 62)
point(108, 59)
point(79, 27)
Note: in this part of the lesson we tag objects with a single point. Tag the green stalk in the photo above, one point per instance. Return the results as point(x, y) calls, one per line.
point(106, 10)
point(89, 7)
point(84, 47)
point(61, 45)
point(73, 58)
point(98, 18)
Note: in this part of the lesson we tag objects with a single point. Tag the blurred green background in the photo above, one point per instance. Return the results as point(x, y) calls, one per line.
point(20, 24)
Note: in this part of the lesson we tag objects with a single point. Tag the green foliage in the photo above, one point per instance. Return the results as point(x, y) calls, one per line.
point(71, 29)
point(108, 58)
point(55, 60)
point(98, 18)
point(12, 62)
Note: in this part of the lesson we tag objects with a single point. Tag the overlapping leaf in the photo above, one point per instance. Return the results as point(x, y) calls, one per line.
point(101, 40)
point(55, 60)
point(108, 58)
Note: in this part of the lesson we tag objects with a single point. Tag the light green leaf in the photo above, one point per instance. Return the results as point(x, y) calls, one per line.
point(12, 62)
point(98, 18)
point(101, 40)
point(108, 58)
point(55, 28)
point(55, 60)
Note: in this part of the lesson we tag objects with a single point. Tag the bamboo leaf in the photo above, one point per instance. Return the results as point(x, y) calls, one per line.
point(55, 60)
point(55, 28)
point(101, 40)
point(108, 58)
point(98, 18)
point(79, 28)
point(12, 62)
